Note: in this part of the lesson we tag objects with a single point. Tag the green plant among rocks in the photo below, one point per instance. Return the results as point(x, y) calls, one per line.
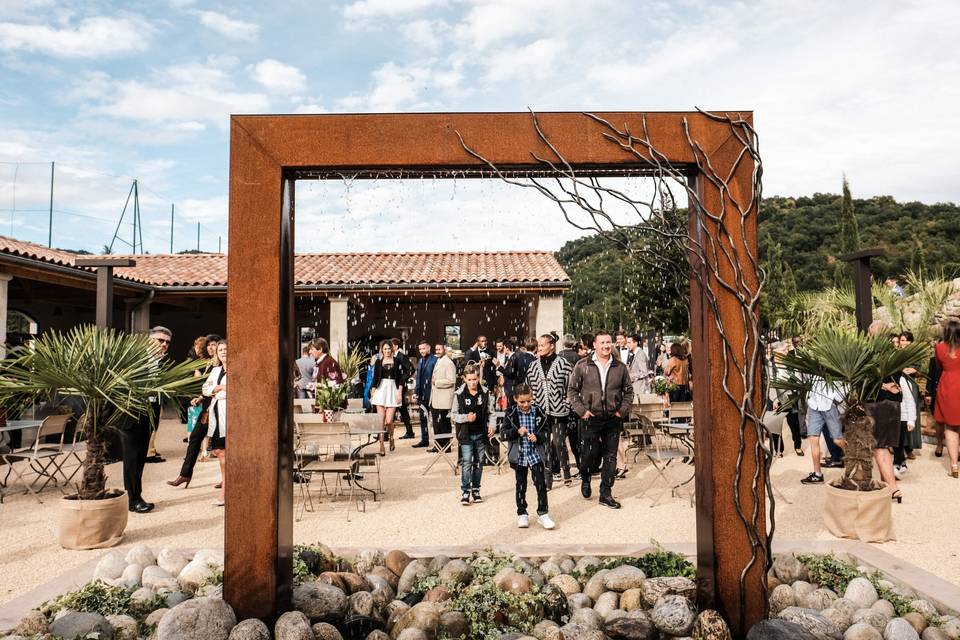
point(310, 560)
point(658, 563)
point(491, 611)
point(835, 574)
point(100, 597)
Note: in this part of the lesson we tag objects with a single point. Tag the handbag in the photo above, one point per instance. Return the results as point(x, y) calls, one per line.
point(193, 416)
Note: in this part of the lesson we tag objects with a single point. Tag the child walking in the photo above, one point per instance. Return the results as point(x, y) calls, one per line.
point(525, 429)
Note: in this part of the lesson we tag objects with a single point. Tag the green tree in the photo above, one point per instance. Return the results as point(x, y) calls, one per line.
point(849, 228)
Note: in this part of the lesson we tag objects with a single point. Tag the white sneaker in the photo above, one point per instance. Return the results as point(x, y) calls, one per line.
point(546, 521)
point(898, 472)
point(523, 521)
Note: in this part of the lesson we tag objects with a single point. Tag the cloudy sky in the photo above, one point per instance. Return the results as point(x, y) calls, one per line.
point(113, 91)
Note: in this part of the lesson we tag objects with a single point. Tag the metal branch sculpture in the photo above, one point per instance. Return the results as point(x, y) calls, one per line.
point(722, 260)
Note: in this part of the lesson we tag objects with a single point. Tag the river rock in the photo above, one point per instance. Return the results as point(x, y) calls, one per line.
point(251, 629)
point(845, 605)
point(568, 566)
point(838, 617)
point(124, 627)
point(631, 599)
point(543, 628)
point(412, 634)
point(141, 554)
point(655, 588)
point(361, 604)
point(414, 570)
point(33, 624)
point(392, 579)
point(578, 601)
point(633, 625)
point(624, 577)
point(320, 602)
point(437, 563)
point(862, 631)
point(587, 618)
point(382, 592)
point(710, 625)
point(326, 631)
point(456, 572)
point(142, 595)
point(923, 607)
point(79, 624)
point(354, 583)
point(934, 633)
point(367, 559)
point(377, 634)
point(566, 583)
point(586, 562)
point(917, 621)
point(396, 561)
point(155, 616)
point(172, 561)
point(293, 625)
point(550, 569)
point(781, 598)
point(788, 569)
point(861, 592)
point(334, 580)
point(596, 585)
point(778, 630)
point(811, 620)
point(454, 624)
point(876, 619)
point(886, 607)
point(819, 599)
point(132, 574)
point(802, 588)
point(196, 573)
point(155, 577)
point(573, 631)
point(424, 616)
point(197, 619)
point(110, 567)
point(673, 614)
point(900, 629)
point(515, 583)
point(174, 597)
point(607, 602)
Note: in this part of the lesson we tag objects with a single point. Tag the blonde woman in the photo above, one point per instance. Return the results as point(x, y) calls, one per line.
point(216, 388)
point(386, 390)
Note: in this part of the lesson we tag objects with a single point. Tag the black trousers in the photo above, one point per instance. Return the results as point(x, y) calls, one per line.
point(424, 426)
point(793, 421)
point(441, 420)
point(539, 481)
point(560, 459)
point(574, 437)
point(600, 439)
point(404, 412)
point(134, 441)
point(194, 444)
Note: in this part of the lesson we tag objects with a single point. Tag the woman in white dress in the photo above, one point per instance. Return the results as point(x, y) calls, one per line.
point(386, 390)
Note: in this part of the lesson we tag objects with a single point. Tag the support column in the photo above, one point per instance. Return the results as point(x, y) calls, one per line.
point(549, 315)
point(104, 268)
point(5, 279)
point(339, 322)
point(140, 318)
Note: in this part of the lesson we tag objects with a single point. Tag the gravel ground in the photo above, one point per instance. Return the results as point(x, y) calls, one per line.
point(424, 510)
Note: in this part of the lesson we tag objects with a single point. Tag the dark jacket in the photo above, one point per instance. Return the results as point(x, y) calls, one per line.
point(424, 379)
point(398, 375)
point(571, 356)
point(585, 392)
point(516, 369)
point(463, 406)
point(510, 433)
point(484, 358)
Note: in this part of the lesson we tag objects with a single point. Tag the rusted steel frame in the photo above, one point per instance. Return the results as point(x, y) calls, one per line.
point(258, 527)
point(258, 565)
point(731, 566)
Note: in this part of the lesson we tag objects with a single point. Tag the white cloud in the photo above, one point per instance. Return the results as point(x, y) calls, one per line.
point(229, 27)
point(426, 34)
point(366, 9)
point(95, 37)
point(278, 77)
point(416, 86)
point(538, 58)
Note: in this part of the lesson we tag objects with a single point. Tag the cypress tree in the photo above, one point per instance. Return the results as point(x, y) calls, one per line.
point(849, 229)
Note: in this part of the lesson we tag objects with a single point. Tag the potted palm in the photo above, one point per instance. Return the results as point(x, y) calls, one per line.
point(112, 375)
point(857, 505)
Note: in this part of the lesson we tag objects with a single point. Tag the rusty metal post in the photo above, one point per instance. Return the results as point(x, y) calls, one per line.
point(862, 284)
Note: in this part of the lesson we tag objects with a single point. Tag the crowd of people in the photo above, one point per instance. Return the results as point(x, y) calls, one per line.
point(895, 411)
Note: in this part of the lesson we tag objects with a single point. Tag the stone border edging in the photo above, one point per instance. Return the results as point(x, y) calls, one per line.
point(944, 595)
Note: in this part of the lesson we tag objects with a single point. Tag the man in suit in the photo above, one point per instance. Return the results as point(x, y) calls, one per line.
point(422, 391)
point(622, 350)
point(136, 434)
point(305, 366)
point(483, 355)
point(442, 388)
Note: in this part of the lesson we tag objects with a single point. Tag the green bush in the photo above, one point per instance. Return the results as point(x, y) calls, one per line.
point(658, 563)
point(99, 597)
point(833, 573)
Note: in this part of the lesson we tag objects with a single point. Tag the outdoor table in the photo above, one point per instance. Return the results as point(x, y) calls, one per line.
point(364, 424)
point(15, 425)
point(683, 432)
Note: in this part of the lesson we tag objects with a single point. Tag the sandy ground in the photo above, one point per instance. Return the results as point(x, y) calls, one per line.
point(424, 510)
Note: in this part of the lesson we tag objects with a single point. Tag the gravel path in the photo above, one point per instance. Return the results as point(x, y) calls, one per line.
point(425, 510)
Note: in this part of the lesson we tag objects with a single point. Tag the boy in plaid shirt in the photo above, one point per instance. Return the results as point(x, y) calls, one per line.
point(524, 429)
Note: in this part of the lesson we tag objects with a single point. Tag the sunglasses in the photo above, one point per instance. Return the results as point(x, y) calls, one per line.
point(163, 340)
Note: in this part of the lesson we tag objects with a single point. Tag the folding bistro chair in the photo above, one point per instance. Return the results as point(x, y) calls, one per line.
point(303, 405)
point(40, 458)
point(665, 452)
point(643, 416)
point(444, 444)
point(681, 412)
point(77, 450)
point(323, 448)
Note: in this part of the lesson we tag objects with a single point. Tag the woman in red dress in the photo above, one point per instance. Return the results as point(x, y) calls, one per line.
point(947, 408)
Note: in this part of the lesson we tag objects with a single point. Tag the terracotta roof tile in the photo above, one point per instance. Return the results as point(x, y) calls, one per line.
point(334, 269)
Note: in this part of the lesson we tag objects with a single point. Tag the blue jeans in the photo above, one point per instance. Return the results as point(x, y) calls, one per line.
point(471, 467)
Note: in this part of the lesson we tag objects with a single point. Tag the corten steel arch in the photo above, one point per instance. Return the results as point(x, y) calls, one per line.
point(267, 155)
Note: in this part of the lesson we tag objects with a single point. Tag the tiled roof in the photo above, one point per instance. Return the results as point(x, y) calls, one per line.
point(334, 269)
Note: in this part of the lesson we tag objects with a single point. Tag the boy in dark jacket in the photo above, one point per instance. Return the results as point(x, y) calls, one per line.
point(525, 429)
point(472, 415)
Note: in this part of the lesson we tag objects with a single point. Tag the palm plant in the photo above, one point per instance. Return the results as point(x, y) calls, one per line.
point(856, 365)
point(350, 362)
point(113, 374)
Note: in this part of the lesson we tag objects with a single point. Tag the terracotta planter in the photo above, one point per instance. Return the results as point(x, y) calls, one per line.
point(860, 515)
point(92, 524)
